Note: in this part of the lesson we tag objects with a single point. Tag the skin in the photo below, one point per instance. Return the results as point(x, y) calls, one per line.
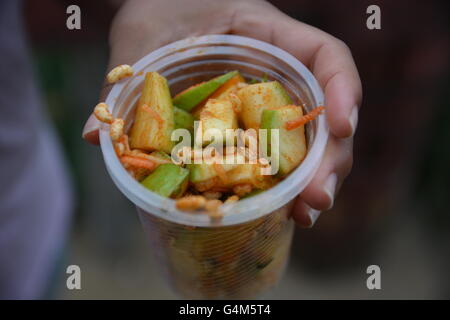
point(142, 26)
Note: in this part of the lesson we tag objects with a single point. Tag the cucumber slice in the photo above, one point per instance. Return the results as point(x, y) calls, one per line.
point(154, 121)
point(183, 119)
point(218, 115)
point(257, 97)
point(292, 144)
point(192, 96)
point(168, 180)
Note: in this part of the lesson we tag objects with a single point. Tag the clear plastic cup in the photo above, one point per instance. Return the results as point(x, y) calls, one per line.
point(244, 254)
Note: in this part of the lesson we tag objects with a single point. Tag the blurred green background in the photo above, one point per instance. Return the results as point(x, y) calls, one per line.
point(393, 210)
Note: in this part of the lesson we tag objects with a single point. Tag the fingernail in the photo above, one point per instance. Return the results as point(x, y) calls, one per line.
point(353, 119)
point(313, 215)
point(330, 187)
point(91, 125)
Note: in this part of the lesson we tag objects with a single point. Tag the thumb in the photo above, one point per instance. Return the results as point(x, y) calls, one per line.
point(92, 126)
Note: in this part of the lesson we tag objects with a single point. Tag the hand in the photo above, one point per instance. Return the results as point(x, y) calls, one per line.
point(142, 26)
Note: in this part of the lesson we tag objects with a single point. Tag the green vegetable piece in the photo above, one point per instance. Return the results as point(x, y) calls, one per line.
point(183, 119)
point(168, 180)
point(191, 97)
point(257, 97)
point(292, 143)
point(201, 172)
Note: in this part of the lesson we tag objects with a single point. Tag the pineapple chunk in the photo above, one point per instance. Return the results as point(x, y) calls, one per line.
point(257, 97)
point(231, 86)
point(207, 176)
point(161, 155)
point(249, 174)
point(217, 114)
point(292, 144)
point(203, 171)
point(243, 174)
point(154, 121)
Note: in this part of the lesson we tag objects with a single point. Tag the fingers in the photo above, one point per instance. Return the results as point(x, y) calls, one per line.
point(303, 215)
point(320, 193)
point(335, 167)
point(328, 58)
point(143, 26)
point(334, 69)
point(331, 62)
point(91, 129)
point(92, 126)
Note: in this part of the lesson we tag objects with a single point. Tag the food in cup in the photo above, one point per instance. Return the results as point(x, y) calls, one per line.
point(194, 96)
point(242, 254)
point(231, 262)
point(119, 73)
point(223, 103)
